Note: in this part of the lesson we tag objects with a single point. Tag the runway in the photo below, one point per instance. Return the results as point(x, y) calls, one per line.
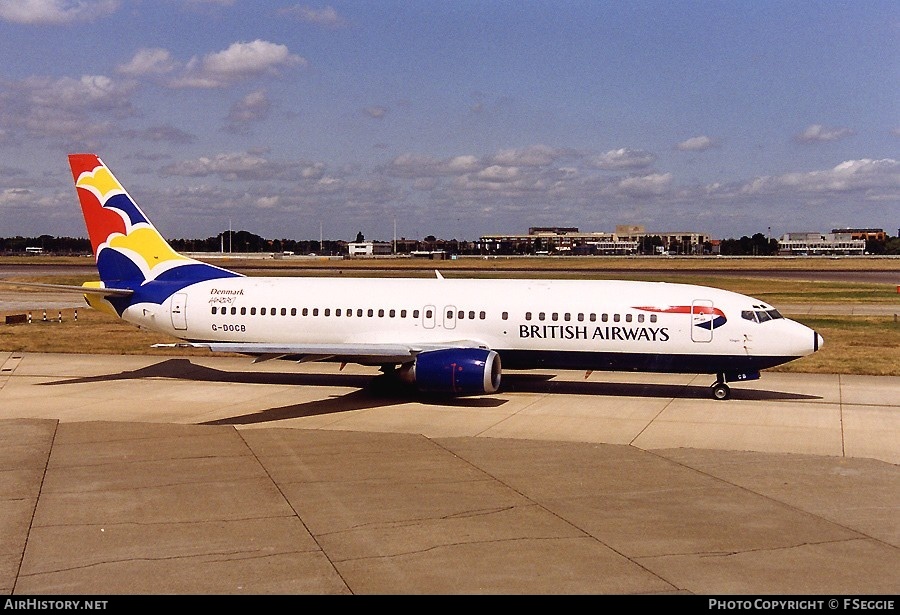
point(168, 475)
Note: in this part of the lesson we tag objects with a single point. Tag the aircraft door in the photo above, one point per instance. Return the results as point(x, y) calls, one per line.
point(702, 316)
point(428, 316)
point(178, 310)
point(449, 317)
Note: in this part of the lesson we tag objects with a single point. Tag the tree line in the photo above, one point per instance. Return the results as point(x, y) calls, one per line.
point(245, 241)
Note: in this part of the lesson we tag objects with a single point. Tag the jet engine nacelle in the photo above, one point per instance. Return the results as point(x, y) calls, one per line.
point(454, 371)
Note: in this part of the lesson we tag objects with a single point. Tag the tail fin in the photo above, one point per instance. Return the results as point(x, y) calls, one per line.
point(128, 249)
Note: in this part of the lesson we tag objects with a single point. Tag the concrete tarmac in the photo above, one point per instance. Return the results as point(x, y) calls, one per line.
point(168, 475)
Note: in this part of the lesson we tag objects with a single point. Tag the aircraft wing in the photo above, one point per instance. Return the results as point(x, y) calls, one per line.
point(83, 290)
point(351, 353)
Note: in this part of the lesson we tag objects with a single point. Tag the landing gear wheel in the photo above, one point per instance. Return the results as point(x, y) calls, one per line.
point(720, 390)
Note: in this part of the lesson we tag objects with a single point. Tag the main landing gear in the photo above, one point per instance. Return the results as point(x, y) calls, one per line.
point(719, 389)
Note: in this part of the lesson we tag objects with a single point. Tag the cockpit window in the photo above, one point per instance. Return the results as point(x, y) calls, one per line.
point(760, 315)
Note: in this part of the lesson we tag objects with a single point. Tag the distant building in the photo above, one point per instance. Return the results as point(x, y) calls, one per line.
point(810, 244)
point(865, 234)
point(682, 242)
point(369, 248)
point(557, 240)
point(436, 255)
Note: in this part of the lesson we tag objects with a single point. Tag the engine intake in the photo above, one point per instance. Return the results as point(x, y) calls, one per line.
point(455, 371)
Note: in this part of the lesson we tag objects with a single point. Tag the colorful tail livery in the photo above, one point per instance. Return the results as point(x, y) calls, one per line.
point(443, 336)
point(130, 253)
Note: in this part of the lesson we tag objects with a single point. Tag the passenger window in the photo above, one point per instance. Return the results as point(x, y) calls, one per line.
point(567, 317)
point(293, 311)
point(415, 313)
point(428, 314)
point(652, 317)
point(253, 311)
point(273, 311)
point(640, 318)
point(593, 317)
point(616, 318)
point(370, 312)
point(472, 315)
point(284, 311)
point(482, 315)
point(540, 316)
point(604, 317)
point(315, 311)
point(305, 311)
point(527, 315)
point(381, 313)
point(214, 309)
point(402, 313)
point(337, 312)
point(327, 312)
point(359, 313)
point(554, 317)
point(392, 313)
point(627, 317)
point(243, 311)
point(460, 315)
point(580, 317)
point(262, 311)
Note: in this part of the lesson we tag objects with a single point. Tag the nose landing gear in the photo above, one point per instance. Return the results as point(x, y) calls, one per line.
point(719, 389)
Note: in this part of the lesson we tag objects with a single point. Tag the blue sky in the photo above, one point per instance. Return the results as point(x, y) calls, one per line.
point(455, 119)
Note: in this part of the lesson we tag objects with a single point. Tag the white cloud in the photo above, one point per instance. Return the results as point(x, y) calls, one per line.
point(497, 173)
point(16, 196)
point(38, 12)
point(876, 179)
point(532, 156)
point(818, 132)
point(253, 107)
point(325, 16)
point(421, 166)
point(148, 62)
point(163, 133)
point(239, 61)
point(653, 184)
point(43, 106)
point(696, 144)
point(624, 158)
point(268, 202)
point(246, 166)
point(463, 164)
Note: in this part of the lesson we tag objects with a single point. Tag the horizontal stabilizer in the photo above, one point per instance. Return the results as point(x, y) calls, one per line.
point(81, 290)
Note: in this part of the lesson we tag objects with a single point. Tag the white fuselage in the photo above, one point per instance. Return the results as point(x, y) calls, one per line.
point(589, 324)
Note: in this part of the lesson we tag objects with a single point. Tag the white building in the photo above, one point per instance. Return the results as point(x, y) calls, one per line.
point(369, 248)
point(809, 244)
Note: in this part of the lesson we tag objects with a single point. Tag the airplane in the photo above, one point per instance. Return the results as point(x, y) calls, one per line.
point(443, 336)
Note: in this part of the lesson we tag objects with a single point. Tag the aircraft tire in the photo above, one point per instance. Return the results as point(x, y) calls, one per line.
point(721, 391)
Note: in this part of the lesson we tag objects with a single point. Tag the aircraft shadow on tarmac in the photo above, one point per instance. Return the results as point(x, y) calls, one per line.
point(379, 391)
